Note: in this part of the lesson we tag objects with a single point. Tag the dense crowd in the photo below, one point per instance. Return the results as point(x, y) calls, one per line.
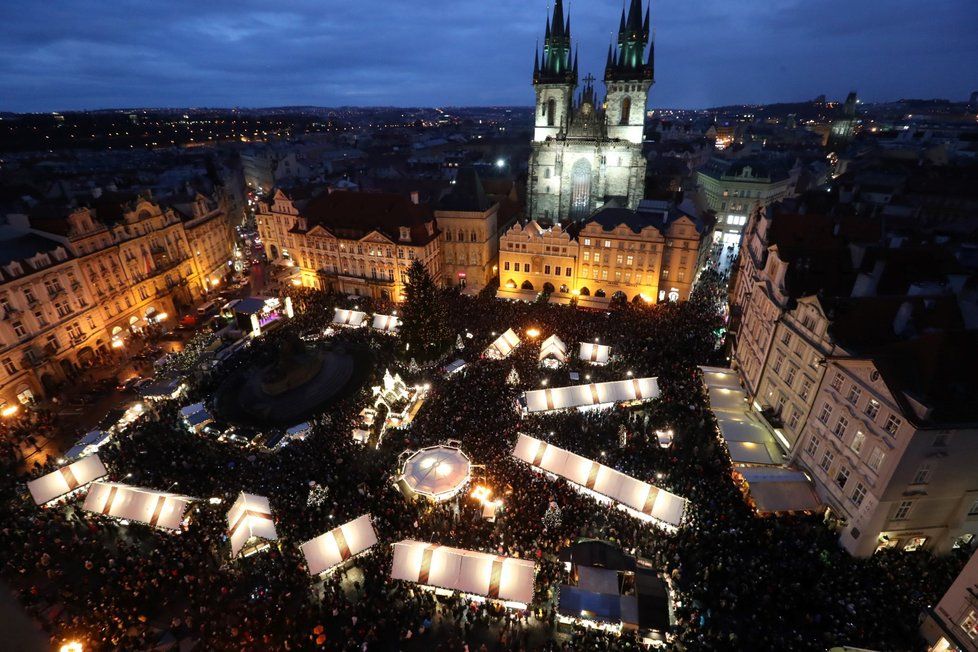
point(741, 582)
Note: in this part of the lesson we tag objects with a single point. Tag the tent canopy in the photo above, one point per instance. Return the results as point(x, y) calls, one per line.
point(503, 345)
point(351, 318)
point(553, 347)
point(590, 395)
point(467, 571)
point(436, 472)
point(748, 440)
point(780, 490)
point(593, 353)
point(250, 517)
point(88, 444)
point(339, 544)
point(67, 479)
point(642, 498)
point(154, 508)
point(385, 323)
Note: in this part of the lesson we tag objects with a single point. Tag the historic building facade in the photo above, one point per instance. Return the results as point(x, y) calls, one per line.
point(651, 255)
point(357, 243)
point(468, 220)
point(586, 151)
point(76, 286)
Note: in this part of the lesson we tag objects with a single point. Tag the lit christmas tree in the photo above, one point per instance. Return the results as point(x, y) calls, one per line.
point(317, 494)
point(424, 315)
point(513, 378)
point(459, 344)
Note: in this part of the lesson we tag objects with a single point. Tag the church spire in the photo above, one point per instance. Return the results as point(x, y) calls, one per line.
point(557, 66)
point(633, 37)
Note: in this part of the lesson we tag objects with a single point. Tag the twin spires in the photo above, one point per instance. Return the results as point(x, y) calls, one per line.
point(627, 61)
point(557, 65)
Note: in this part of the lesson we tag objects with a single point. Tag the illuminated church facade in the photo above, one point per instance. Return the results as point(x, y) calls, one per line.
point(585, 151)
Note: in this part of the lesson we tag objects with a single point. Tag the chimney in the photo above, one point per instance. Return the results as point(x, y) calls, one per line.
point(415, 198)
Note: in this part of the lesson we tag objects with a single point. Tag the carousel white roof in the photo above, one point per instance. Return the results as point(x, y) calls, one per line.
point(553, 347)
point(641, 498)
point(351, 318)
point(477, 573)
point(339, 544)
point(67, 479)
point(155, 508)
point(436, 472)
point(386, 323)
point(593, 353)
point(250, 517)
point(503, 345)
point(591, 394)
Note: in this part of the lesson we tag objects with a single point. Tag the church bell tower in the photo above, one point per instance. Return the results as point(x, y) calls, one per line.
point(554, 77)
point(629, 75)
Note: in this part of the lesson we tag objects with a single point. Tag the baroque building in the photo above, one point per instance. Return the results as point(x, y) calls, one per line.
point(586, 151)
point(76, 283)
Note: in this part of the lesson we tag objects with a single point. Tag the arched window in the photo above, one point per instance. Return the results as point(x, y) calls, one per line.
point(448, 235)
point(626, 109)
point(473, 237)
point(551, 112)
point(461, 235)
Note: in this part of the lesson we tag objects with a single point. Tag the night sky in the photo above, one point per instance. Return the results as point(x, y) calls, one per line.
point(70, 54)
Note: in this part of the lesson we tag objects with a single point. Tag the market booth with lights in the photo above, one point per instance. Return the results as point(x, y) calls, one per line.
point(503, 345)
point(251, 527)
point(591, 395)
point(637, 498)
point(332, 549)
point(67, 480)
point(257, 314)
point(478, 575)
point(159, 509)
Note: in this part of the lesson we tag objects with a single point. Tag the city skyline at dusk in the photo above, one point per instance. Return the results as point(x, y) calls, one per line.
point(73, 56)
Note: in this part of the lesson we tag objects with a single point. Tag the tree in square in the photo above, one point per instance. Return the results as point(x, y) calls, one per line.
point(424, 315)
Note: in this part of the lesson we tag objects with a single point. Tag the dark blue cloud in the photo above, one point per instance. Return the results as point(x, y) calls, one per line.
point(75, 54)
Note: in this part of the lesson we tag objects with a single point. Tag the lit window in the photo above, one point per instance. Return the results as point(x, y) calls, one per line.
point(876, 458)
point(857, 441)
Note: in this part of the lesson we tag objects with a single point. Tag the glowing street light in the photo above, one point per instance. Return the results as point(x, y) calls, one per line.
point(72, 646)
point(533, 332)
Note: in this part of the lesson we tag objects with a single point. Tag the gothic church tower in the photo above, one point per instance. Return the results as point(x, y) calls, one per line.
point(584, 151)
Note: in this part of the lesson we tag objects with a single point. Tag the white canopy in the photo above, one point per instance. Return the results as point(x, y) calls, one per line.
point(593, 353)
point(67, 479)
point(476, 573)
point(592, 394)
point(196, 416)
point(339, 544)
point(386, 323)
point(641, 498)
point(155, 508)
point(553, 347)
point(351, 318)
point(749, 442)
point(503, 346)
point(250, 517)
point(436, 472)
point(190, 410)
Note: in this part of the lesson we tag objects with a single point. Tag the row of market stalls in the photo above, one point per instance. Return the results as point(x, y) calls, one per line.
point(635, 497)
point(589, 395)
point(357, 319)
point(552, 348)
point(760, 466)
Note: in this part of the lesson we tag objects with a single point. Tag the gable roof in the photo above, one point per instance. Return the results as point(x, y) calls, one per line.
point(353, 215)
point(467, 195)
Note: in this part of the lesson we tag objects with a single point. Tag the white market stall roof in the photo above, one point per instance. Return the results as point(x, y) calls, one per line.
point(591, 394)
point(593, 303)
point(385, 323)
point(641, 498)
point(560, 298)
point(339, 544)
point(780, 490)
point(89, 444)
point(436, 472)
point(593, 353)
point(351, 318)
point(250, 517)
point(454, 366)
point(553, 347)
point(66, 480)
point(475, 573)
point(514, 294)
point(749, 441)
point(503, 345)
point(155, 508)
point(196, 416)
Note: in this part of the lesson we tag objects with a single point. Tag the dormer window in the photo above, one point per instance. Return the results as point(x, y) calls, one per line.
point(406, 234)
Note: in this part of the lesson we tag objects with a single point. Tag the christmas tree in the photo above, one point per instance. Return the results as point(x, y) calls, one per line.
point(513, 378)
point(424, 318)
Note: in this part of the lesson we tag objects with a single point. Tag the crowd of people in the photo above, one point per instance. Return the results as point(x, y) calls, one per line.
point(740, 581)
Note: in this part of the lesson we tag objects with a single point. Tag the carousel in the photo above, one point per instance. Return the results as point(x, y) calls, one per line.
point(437, 473)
